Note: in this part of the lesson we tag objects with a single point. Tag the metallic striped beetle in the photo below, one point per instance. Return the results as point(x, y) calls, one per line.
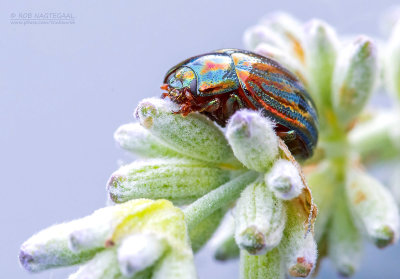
point(221, 82)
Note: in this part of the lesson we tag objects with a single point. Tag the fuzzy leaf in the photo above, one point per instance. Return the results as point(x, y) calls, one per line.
point(392, 62)
point(194, 135)
point(138, 140)
point(354, 78)
point(179, 180)
point(321, 49)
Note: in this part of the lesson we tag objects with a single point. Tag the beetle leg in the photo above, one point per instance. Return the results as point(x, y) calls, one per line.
point(185, 109)
point(233, 104)
point(164, 87)
point(287, 136)
point(188, 95)
point(211, 106)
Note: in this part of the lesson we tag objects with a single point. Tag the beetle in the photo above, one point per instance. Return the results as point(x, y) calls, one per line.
point(221, 82)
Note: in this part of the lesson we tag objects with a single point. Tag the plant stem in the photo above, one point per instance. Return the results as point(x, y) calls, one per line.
point(217, 198)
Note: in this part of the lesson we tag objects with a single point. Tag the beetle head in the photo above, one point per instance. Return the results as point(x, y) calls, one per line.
point(179, 83)
point(181, 78)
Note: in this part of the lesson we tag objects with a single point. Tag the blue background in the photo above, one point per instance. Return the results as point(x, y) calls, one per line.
point(64, 89)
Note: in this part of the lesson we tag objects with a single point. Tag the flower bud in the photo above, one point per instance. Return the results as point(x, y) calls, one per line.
point(322, 183)
point(224, 241)
point(227, 250)
point(203, 231)
point(79, 240)
point(322, 44)
point(260, 219)
point(354, 78)
point(136, 139)
point(49, 248)
point(378, 138)
point(389, 19)
point(253, 140)
point(103, 266)
point(298, 248)
point(395, 183)
point(392, 62)
point(138, 252)
point(167, 222)
point(373, 208)
point(194, 135)
point(268, 266)
point(345, 242)
point(176, 265)
point(180, 180)
point(259, 34)
point(290, 30)
point(284, 180)
point(94, 231)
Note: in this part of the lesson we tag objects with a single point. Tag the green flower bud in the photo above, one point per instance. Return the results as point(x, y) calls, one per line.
point(284, 180)
point(167, 222)
point(260, 219)
point(268, 266)
point(392, 64)
point(227, 250)
point(224, 241)
point(345, 242)
point(253, 140)
point(389, 19)
point(136, 139)
point(322, 183)
point(103, 266)
point(140, 251)
point(180, 180)
point(175, 265)
point(194, 135)
point(203, 231)
point(378, 138)
point(96, 229)
point(298, 248)
point(108, 227)
point(259, 34)
point(354, 78)
point(373, 208)
point(322, 44)
point(49, 248)
point(395, 183)
point(290, 30)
